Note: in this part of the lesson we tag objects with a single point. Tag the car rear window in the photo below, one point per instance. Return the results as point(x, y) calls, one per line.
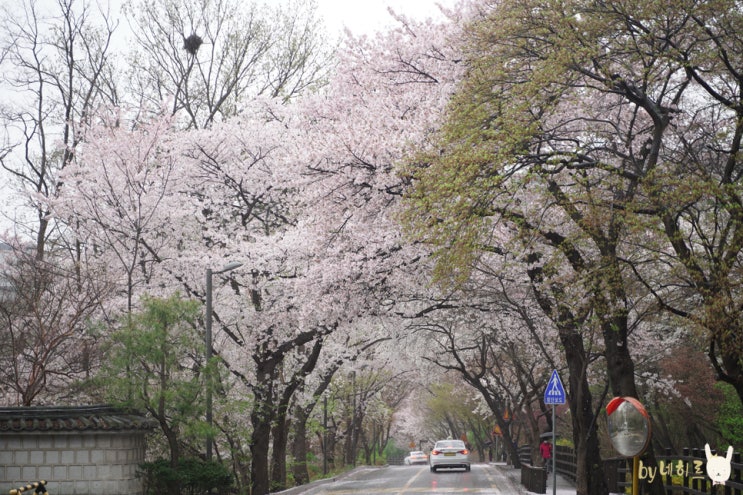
point(448, 444)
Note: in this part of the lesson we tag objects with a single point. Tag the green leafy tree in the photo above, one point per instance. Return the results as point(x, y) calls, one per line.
point(730, 417)
point(153, 365)
point(603, 140)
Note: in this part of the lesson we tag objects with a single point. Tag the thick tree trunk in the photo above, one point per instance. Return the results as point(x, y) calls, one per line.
point(281, 424)
point(278, 454)
point(260, 419)
point(620, 367)
point(498, 408)
point(589, 468)
point(299, 448)
point(175, 453)
point(348, 442)
point(264, 412)
point(259, 450)
point(621, 370)
point(301, 415)
point(726, 342)
point(332, 445)
point(355, 435)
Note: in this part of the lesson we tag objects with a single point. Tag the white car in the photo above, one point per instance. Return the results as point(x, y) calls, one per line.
point(449, 454)
point(416, 457)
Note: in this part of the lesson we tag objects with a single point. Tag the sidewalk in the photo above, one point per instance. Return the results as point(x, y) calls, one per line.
point(564, 486)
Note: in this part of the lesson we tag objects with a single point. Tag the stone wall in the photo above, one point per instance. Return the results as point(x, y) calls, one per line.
point(97, 452)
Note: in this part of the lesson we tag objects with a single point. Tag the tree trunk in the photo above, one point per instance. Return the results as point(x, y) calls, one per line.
point(589, 468)
point(260, 419)
point(259, 448)
point(299, 448)
point(172, 439)
point(725, 347)
point(620, 367)
point(301, 415)
point(281, 424)
point(267, 366)
point(348, 443)
point(278, 455)
point(334, 446)
point(355, 434)
point(621, 370)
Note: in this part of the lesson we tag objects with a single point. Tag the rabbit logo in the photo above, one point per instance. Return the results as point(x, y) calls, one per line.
point(718, 467)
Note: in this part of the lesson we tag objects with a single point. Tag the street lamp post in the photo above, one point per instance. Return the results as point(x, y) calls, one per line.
point(325, 435)
point(354, 435)
point(208, 354)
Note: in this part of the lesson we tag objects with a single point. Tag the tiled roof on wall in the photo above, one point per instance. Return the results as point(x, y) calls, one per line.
point(71, 418)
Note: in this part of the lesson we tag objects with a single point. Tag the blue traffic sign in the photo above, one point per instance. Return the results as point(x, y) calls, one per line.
point(555, 392)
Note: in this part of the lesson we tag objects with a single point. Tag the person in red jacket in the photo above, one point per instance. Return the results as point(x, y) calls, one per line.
point(545, 448)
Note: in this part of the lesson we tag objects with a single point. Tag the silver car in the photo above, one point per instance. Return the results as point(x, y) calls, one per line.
point(416, 457)
point(449, 454)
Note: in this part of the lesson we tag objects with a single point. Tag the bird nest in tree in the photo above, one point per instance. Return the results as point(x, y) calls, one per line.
point(192, 43)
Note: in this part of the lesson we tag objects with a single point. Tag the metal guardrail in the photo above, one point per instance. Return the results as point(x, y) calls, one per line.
point(534, 478)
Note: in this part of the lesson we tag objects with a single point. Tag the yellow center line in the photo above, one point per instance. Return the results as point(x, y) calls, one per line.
point(407, 485)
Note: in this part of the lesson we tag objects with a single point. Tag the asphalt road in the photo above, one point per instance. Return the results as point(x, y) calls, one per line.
point(483, 479)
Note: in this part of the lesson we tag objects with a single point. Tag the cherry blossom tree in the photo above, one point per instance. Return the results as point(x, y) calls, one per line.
point(506, 358)
point(696, 179)
point(295, 199)
point(454, 410)
point(118, 196)
point(347, 187)
point(305, 402)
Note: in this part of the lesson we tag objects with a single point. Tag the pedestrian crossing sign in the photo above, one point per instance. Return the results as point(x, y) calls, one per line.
point(555, 392)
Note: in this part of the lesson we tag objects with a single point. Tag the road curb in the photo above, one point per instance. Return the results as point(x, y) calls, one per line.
point(510, 476)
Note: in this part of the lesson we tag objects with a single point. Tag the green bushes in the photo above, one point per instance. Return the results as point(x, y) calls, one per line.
point(190, 477)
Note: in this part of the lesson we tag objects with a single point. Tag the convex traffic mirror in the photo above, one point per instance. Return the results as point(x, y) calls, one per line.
point(629, 426)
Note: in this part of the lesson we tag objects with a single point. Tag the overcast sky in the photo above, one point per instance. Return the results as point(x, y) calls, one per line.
point(369, 16)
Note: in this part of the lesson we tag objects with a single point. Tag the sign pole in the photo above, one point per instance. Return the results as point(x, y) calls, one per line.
point(635, 475)
point(554, 394)
point(554, 453)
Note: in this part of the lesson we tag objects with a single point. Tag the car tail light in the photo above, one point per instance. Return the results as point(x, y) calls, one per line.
point(465, 451)
point(435, 452)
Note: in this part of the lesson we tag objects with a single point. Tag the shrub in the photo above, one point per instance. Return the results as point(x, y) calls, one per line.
point(190, 477)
